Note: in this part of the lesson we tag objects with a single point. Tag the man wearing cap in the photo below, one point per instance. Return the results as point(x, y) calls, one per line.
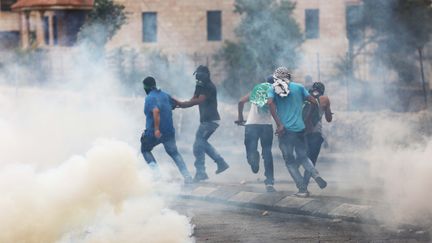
point(159, 127)
point(286, 102)
point(258, 128)
point(205, 96)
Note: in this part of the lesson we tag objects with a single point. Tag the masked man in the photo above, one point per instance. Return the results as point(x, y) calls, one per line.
point(205, 96)
point(159, 127)
point(286, 106)
point(313, 114)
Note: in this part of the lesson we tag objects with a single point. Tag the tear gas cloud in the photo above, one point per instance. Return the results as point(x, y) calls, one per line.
point(70, 167)
point(87, 198)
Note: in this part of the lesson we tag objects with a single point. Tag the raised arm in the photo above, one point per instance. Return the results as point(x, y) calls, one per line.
point(156, 118)
point(312, 99)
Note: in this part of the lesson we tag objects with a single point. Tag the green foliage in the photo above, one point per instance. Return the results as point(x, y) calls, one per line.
point(400, 28)
point(268, 37)
point(102, 23)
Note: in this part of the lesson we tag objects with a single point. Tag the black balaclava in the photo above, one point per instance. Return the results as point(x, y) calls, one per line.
point(317, 90)
point(149, 84)
point(202, 73)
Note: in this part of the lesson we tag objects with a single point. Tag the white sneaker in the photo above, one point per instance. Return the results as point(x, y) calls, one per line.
point(302, 194)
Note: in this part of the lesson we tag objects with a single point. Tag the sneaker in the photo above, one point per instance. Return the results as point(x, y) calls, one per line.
point(302, 194)
point(270, 188)
point(222, 166)
point(202, 176)
point(321, 182)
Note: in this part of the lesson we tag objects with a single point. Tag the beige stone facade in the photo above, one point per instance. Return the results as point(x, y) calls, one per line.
point(181, 29)
point(9, 21)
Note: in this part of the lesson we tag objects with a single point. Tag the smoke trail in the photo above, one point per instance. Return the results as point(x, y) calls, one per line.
point(49, 193)
point(102, 195)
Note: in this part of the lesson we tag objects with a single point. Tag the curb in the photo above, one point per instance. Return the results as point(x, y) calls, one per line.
point(282, 202)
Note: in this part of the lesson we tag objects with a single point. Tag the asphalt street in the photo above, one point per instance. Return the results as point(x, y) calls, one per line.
point(225, 223)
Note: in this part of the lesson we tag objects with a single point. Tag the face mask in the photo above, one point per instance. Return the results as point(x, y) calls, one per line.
point(201, 76)
point(316, 93)
point(147, 89)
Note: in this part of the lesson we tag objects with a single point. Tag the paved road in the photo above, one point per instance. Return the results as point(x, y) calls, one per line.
point(224, 223)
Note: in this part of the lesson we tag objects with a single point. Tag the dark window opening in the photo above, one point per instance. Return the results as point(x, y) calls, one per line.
point(5, 5)
point(214, 25)
point(149, 27)
point(55, 29)
point(46, 29)
point(9, 39)
point(72, 22)
point(312, 23)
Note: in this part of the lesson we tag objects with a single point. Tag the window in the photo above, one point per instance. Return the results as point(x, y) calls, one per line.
point(149, 27)
point(353, 18)
point(214, 25)
point(312, 23)
point(55, 29)
point(46, 29)
point(5, 5)
point(9, 39)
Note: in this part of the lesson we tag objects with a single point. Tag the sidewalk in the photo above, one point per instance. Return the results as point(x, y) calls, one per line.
point(283, 201)
point(331, 207)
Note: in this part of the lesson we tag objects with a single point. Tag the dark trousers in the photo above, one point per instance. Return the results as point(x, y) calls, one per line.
point(295, 141)
point(201, 146)
point(169, 143)
point(313, 144)
point(263, 133)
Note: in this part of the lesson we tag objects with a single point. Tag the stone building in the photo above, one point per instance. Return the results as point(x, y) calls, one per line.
point(193, 28)
point(190, 27)
point(41, 23)
point(199, 28)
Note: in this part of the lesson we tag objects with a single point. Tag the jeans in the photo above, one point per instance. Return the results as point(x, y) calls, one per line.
point(201, 146)
point(169, 143)
point(263, 133)
point(288, 142)
point(313, 143)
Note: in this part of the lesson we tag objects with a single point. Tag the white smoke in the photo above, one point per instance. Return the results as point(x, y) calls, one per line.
point(401, 160)
point(103, 196)
point(70, 167)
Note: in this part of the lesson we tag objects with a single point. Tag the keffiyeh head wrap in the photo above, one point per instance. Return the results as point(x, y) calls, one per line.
point(259, 94)
point(282, 78)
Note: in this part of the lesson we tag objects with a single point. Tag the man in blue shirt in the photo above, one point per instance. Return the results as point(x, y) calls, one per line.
point(159, 127)
point(286, 103)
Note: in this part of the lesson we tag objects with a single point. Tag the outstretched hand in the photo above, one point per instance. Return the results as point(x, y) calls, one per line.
point(174, 103)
